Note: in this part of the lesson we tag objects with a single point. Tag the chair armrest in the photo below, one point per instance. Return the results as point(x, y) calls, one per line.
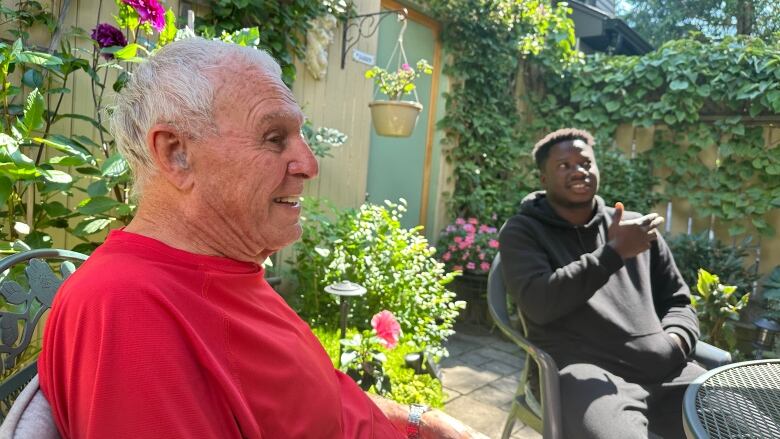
point(548, 381)
point(710, 356)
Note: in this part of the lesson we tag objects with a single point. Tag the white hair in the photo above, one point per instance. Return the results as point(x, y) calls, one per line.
point(172, 87)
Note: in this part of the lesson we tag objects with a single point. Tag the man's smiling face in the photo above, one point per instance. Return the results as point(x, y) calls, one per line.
point(570, 175)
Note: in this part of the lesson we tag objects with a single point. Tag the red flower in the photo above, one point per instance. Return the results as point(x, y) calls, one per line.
point(149, 11)
point(387, 328)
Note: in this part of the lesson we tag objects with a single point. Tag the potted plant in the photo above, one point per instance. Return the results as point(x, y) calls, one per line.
point(394, 117)
point(469, 246)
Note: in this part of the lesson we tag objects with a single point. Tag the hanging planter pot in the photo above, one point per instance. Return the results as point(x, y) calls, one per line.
point(395, 118)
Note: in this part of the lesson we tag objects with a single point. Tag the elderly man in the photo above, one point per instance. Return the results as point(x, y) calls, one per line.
point(601, 293)
point(169, 330)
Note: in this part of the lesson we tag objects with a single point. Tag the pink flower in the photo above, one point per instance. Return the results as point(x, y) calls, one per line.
point(450, 228)
point(446, 256)
point(481, 256)
point(460, 221)
point(465, 256)
point(493, 243)
point(463, 245)
point(387, 328)
point(471, 266)
point(484, 266)
point(473, 221)
point(149, 11)
point(457, 268)
point(406, 67)
point(469, 228)
point(452, 248)
point(483, 228)
point(458, 239)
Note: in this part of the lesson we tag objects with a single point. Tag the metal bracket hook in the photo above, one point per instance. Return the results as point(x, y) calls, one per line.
point(366, 26)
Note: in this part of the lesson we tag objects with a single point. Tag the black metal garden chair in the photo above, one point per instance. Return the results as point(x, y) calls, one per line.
point(28, 284)
point(537, 401)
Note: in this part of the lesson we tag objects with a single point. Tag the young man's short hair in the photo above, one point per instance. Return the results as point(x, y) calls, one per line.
point(541, 150)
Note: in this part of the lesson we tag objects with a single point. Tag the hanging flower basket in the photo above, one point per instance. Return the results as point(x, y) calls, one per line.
point(395, 118)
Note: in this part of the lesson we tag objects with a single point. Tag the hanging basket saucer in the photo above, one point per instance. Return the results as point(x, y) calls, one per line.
point(395, 118)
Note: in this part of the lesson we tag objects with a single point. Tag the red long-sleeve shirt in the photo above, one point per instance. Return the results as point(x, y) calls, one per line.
point(147, 341)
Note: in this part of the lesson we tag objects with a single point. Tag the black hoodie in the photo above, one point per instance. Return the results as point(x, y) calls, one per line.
point(583, 304)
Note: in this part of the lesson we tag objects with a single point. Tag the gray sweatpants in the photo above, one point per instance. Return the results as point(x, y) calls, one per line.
point(597, 404)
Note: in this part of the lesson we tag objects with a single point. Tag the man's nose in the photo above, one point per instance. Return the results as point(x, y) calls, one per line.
point(580, 169)
point(304, 164)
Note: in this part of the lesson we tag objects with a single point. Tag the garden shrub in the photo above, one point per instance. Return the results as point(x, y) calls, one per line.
point(692, 252)
point(407, 387)
point(396, 266)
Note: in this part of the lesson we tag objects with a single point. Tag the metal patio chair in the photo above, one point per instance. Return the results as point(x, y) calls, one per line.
point(537, 401)
point(27, 285)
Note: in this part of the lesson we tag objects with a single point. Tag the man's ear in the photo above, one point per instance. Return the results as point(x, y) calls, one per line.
point(542, 180)
point(171, 153)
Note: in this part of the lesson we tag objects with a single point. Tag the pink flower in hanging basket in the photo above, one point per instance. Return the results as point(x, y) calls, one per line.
point(387, 328)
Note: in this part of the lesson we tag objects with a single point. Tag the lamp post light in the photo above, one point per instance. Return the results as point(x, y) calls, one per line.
point(344, 290)
point(765, 335)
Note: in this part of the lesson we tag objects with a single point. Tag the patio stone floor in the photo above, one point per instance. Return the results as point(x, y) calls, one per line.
point(480, 378)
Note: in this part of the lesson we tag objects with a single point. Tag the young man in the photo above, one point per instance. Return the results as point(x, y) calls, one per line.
point(601, 293)
point(169, 330)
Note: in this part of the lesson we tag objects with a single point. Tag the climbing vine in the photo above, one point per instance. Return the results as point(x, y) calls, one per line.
point(485, 41)
point(701, 97)
point(282, 24)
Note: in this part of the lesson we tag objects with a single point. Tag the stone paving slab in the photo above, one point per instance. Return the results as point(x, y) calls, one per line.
point(480, 378)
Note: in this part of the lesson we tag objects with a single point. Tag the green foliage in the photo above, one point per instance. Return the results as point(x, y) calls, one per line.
point(368, 246)
point(283, 24)
point(672, 88)
point(485, 40)
point(692, 252)
point(407, 386)
point(661, 20)
point(716, 304)
point(771, 294)
point(400, 82)
point(364, 360)
point(630, 181)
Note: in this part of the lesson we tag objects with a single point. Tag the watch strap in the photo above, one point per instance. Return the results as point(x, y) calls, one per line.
point(415, 418)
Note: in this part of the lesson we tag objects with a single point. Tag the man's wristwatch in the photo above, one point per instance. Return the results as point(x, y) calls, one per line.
point(415, 417)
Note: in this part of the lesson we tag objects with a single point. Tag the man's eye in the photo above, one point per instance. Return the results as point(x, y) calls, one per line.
point(563, 165)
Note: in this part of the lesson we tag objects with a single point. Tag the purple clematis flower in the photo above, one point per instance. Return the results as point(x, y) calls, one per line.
point(149, 11)
point(106, 36)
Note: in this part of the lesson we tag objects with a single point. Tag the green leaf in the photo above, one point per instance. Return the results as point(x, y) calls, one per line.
point(55, 176)
point(68, 146)
point(169, 31)
point(38, 239)
point(92, 206)
point(90, 226)
point(678, 84)
point(39, 58)
point(97, 188)
point(6, 187)
point(128, 51)
point(114, 167)
point(65, 160)
point(121, 81)
point(55, 209)
point(33, 111)
point(32, 78)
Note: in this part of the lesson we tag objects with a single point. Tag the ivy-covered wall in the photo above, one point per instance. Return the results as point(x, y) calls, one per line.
point(711, 106)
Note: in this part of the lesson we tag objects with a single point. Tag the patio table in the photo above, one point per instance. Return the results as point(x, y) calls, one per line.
point(740, 400)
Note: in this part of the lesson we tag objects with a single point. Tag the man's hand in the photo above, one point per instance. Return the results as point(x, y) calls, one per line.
point(629, 238)
point(438, 425)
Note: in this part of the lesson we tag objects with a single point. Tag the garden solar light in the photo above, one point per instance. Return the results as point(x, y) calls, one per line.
point(765, 335)
point(344, 289)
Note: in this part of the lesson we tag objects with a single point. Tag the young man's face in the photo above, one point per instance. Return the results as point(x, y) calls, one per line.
point(570, 175)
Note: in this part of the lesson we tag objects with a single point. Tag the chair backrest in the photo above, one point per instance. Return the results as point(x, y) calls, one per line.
point(27, 298)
